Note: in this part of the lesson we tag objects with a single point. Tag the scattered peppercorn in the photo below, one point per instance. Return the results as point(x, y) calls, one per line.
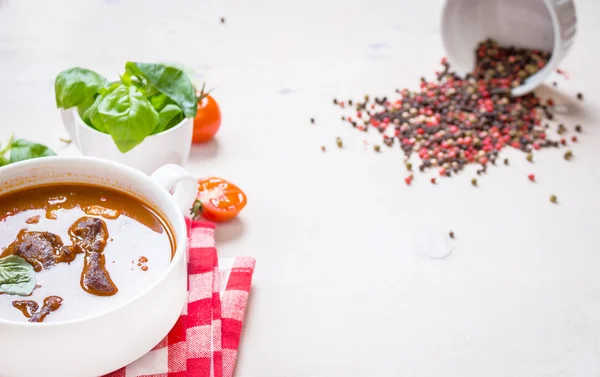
point(562, 72)
point(451, 234)
point(323, 148)
point(506, 161)
point(408, 166)
point(529, 157)
point(531, 177)
point(553, 199)
point(408, 179)
point(578, 128)
point(222, 20)
point(574, 139)
point(335, 101)
point(561, 129)
point(580, 96)
point(433, 180)
point(377, 148)
point(568, 155)
point(554, 84)
point(349, 102)
point(563, 141)
point(312, 120)
point(454, 121)
point(339, 143)
point(474, 181)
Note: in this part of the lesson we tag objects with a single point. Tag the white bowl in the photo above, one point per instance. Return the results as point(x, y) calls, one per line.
point(548, 25)
point(101, 343)
point(169, 147)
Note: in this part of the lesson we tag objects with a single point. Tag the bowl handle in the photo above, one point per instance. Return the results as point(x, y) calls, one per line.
point(180, 183)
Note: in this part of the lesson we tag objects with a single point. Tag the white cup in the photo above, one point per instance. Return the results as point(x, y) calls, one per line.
point(548, 25)
point(169, 147)
point(95, 345)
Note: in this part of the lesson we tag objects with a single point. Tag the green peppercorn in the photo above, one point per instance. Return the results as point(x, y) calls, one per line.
point(474, 181)
point(377, 148)
point(553, 199)
point(529, 157)
point(408, 166)
point(568, 155)
point(339, 143)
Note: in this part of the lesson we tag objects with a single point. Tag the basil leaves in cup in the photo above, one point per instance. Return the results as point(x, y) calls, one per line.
point(149, 99)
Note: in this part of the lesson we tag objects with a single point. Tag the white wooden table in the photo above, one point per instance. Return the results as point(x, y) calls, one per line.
point(338, 289)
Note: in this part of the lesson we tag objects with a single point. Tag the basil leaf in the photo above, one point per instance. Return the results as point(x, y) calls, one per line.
point(175, 121)
point(21, 149)
point(17, 277)
point(159, 101)
point(92, 118)
point(127, 115)
point(77, 87)
point(166, 116)
point(171, 81)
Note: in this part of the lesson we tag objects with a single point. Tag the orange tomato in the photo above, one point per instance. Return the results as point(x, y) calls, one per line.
point(207, 120)
point(218, 200)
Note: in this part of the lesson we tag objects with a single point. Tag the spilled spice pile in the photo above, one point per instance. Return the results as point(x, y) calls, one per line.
point(455, 120)
point(494, 62)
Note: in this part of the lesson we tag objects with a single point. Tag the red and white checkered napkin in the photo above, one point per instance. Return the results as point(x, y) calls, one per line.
point(205, 339)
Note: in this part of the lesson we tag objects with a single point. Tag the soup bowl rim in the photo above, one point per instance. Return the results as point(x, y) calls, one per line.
point(180, 247)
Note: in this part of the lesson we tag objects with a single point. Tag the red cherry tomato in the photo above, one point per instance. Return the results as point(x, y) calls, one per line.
point(218, 200)
point(207, 120)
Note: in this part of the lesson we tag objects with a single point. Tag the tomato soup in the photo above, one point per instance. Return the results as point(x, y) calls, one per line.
point(92, 248)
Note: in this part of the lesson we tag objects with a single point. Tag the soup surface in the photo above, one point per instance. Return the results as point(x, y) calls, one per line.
point(92, 248)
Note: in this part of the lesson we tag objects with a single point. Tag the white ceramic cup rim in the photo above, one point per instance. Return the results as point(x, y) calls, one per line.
point(180, 250)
